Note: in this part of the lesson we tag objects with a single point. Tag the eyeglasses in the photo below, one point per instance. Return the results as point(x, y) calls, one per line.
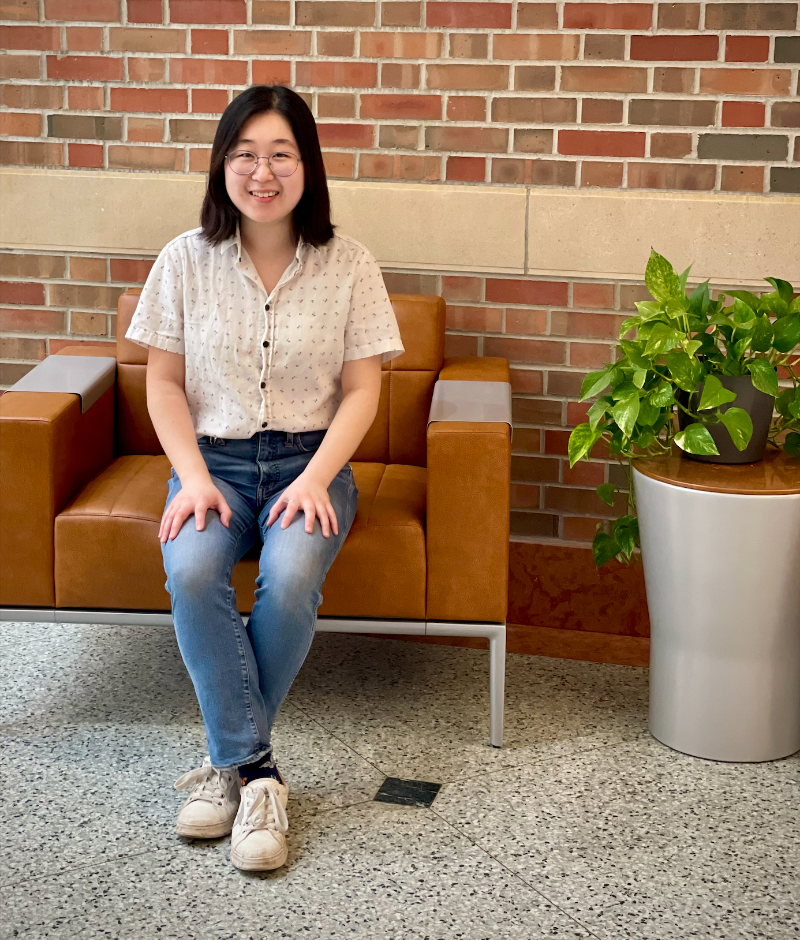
point(243, 163)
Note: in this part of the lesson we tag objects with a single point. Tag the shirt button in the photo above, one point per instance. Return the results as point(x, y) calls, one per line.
point(265, 343)
point(263, 384)
point(266, 306)
point(263, 424)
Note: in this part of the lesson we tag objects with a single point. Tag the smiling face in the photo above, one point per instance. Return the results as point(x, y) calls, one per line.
point(262, 197)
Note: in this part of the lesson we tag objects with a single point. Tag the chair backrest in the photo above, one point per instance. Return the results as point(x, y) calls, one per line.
point(398, 433)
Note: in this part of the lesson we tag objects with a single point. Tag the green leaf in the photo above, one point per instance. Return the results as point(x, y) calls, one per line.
point(764, 376)
point(774, 303)
point(639, 378)
point(685, 372)
point(645, 438)
point(606, 492)
point(661, 279)
point(631, 323)
point(739, 425)
point(581, 441)
point(633, 351)
point(791, 445)
point(624, 390)
point(691, 346)
point(648, 413)
point(784, 288)
point(604, 548)
point(596, 412)
point(794, 306)
point(761, 339)
point(714, 394)
point(743, 317)
point(626, 534)
point(785, 399)
point(661, 340)
point(683, 278)
point(786, 333)
point(596, 381)
point(746, 297)
point(625, 413)
point(661, 395)
point(695, 439)
point(648, 309)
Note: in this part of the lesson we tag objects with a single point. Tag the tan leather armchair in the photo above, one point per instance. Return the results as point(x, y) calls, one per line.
point(83, 490)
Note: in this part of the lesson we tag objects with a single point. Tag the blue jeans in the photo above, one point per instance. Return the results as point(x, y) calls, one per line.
point(242, 674)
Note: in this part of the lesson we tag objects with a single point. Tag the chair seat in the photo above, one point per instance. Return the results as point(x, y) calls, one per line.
point(107, 553)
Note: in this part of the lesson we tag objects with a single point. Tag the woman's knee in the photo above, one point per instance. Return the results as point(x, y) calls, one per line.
point(195, 567)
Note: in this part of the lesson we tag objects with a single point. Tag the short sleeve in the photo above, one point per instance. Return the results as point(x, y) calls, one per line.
point(371, 324)
point(158, 319)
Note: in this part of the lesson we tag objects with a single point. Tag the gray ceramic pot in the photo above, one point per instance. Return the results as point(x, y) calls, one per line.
point(757, 404)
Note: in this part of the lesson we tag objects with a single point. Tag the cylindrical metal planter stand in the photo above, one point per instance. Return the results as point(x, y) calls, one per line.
point(721, 554)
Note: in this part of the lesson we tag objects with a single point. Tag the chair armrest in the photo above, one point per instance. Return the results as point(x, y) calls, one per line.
point(468, 504)
point(85, 376)
point(49, 449)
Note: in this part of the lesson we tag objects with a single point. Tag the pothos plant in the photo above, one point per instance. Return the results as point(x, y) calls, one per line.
point(674, 343)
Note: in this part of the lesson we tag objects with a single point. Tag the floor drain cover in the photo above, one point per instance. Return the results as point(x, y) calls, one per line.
point(407, 792)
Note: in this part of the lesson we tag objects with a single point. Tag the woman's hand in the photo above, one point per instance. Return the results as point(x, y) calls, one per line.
point(196, 498)
point(308, 494)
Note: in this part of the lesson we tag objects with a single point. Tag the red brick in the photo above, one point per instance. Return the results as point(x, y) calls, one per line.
point(552, 47)
point(526, 469)
point(584, 474)
point(145, 158)
point(401, 14)
point(671, 176)
point(87, 269)
point(209, 42)
point(464, 108)
point(271, 42)
point(536, 411)
point(601, 111)
point(15, 264)
point(160, 100)
point(577, 412)
point(535, 77)
point(593, 295)
point(556, 442)
point(590, 325)
point(602, 174)
point(746, 81)
point(743, 113)
point(272, 72)
point(31, 321)
point(608, 15)
point(30, 153)
point(512, 291)
point(208, 71)
point(589, 355)
point(19, 10)
point(19, 66)
point(528, 140)
point(30, 37)
point(603, 78)
point(602, 143)
point(524, 496)
point(475, 319)
point(579, 501)
point(678, 15)
point(58, 344)
point(224, 12)
point(670, 145)
point(531, 322)
point(399, 166)
point(337, 74)
point(401, 45)
point(275, 12)
point(457, 288)
point(20, 125)
point(86, 155)
point(336, 13)
point(579, 528)
point(336, 44)
point(527, 382)
point(209, 100)
point(466, 169)
point(138, 39)
point(463, 15)
point(346, 135)
point(468, 77)
point(742, 179)
point(787, 114)
point(680, 81)
point(19, 292)
point(424, 107)
point(146, 130)
point(145, 69)
point(104, 11)
point(343, 105)
point(85, 67)
point(674, 48)
point(469, 46)
point(467, 139)
point(747, 48)
point(130, 270)
point(18, 347)
point(526, 350)
point(41, 97)
point(603, 46)
point(144, 11)
point(199, 159)
point(396, 75)
point(537, 16)
point(538, 171)
point(460, 345)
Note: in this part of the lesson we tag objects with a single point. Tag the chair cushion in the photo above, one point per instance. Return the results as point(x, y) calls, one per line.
point(107, 553)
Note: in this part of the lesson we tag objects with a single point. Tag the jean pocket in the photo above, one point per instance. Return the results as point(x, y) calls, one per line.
point(308, 441)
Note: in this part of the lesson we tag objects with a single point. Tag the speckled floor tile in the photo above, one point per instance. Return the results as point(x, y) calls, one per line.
point(422, 711)
point(367, 872)
point(621, 835)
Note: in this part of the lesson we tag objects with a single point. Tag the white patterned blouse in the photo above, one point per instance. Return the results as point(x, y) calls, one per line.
point(256, 361)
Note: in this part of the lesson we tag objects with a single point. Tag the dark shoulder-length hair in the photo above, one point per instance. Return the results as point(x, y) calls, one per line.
point(312, 215)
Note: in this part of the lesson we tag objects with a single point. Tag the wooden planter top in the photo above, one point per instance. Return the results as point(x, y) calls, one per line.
point(775, 475)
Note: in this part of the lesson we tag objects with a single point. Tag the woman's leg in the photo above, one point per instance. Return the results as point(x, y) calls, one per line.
point(211, 635)
point(292, 568)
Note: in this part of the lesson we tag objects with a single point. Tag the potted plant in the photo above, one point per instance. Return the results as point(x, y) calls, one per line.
point(696, 372)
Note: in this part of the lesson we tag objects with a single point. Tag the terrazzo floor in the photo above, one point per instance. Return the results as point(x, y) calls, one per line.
point(582, 826)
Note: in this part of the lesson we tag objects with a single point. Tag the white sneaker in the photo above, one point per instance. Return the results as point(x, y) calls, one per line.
point(211, 808)
point(258, 842)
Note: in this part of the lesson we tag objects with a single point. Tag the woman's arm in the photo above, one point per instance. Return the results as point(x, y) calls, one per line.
point(169, 412)
point(361, 385)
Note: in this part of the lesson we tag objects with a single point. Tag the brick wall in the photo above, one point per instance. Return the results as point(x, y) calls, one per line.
point(664, 96)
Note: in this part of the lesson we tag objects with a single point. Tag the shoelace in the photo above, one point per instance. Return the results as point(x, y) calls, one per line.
point(209, 783)
point(263, 812)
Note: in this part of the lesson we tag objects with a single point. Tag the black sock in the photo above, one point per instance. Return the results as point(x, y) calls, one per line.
point(265, 767)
